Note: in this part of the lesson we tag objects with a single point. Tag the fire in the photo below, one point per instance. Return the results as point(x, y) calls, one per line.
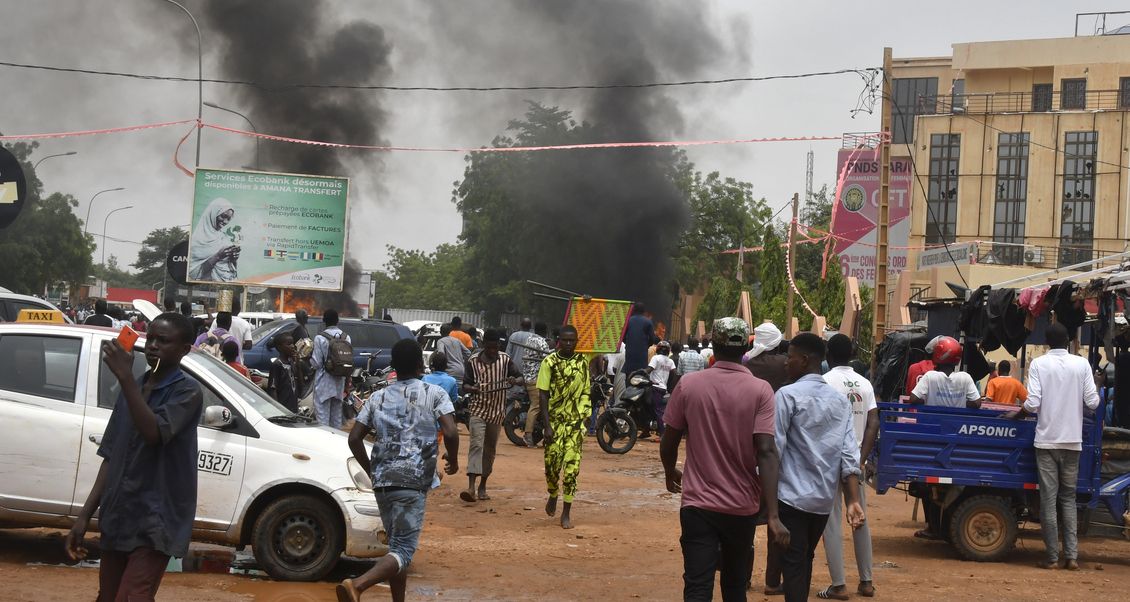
point(296, 300)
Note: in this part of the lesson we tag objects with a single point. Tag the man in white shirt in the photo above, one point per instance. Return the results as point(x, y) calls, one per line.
point(865, 420)
point(658, 370)
point(1059, 385)
point(943, 386)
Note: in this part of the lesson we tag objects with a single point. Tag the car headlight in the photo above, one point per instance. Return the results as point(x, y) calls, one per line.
point(360, 479)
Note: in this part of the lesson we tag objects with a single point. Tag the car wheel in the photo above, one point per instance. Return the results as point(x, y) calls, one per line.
point(298, 538)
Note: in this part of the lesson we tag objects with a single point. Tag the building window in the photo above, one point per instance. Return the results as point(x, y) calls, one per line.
point(913, 96)
point(941, 199)
point(1077, 229)
point(1010, 207)
point(1073, 94)
point(1124, 93)
point(1041, 98)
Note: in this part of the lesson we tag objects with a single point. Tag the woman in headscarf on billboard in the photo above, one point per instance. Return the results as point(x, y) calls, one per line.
point(214, 251)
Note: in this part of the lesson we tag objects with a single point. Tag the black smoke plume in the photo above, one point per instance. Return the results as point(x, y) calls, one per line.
point(290, 41)
point(293, 41)
point(607, 221)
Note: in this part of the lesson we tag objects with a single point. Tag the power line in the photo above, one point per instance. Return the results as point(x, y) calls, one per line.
point(863, 72)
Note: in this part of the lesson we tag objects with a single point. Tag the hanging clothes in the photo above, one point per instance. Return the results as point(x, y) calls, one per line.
point(1068, 311)
point(974, 322)
point(1034, 300)
point(1006, 322)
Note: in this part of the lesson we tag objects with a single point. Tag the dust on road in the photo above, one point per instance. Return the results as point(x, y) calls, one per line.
point(625, 547)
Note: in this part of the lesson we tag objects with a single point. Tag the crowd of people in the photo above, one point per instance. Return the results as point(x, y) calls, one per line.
point(773, 433)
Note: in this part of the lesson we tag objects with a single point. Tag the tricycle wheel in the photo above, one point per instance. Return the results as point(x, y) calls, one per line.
point(984, 528)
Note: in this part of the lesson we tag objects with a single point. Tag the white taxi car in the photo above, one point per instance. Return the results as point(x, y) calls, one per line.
point(267, 477)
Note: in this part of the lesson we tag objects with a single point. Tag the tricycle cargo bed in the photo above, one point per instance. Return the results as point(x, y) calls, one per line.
point(959, 446)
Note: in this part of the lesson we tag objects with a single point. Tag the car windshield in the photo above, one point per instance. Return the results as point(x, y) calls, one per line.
point(264, 330)
point(247, 391)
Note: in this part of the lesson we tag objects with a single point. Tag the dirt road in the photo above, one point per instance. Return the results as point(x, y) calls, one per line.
point(625, 547)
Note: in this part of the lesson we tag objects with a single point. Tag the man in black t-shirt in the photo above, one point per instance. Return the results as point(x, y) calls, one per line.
point(99, 318)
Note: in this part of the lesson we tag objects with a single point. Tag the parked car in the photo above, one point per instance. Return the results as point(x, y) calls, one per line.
point(11, 304)
point(256, 318)
point(374, 337)
point(267, 477)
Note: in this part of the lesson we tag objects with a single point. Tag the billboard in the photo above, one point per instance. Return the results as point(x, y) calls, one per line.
point(600, 323)
point(857, 213)
point(257, 228)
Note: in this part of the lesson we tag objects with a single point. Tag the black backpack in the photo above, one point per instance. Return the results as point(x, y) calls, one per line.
point(339, 355)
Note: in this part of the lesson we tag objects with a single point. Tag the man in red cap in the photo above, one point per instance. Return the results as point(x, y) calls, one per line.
point(946, 386)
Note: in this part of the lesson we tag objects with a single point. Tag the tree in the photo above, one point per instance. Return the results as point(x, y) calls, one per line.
point(415, 279)
point(45, 244)
point(605, 222)
point(154, 252)
point(724, 216)
point(115, 276)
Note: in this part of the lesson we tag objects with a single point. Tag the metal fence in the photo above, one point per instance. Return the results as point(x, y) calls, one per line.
point(1037, 101)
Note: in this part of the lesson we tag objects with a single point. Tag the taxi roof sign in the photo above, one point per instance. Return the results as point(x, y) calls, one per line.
point(51, 316)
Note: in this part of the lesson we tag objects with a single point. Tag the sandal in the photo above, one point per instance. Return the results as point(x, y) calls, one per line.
point(867, 590)
point(483, 496)
point(466, 496)
point(828, 594)
point(927, 535)
point(773, 591)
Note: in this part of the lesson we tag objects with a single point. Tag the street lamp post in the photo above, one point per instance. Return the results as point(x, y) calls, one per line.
point(245, 118)
point(199, 77)
point(67, 154)
point(89, 205)
point(104, 223)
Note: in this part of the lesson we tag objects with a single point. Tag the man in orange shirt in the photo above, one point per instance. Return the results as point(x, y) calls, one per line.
point(1004, 388)
point(458, 334)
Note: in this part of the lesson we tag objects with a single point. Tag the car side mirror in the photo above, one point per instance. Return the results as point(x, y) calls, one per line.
point(218, 417)
point(271, 343)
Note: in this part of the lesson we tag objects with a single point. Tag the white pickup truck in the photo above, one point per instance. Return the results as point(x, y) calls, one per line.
point(267, 477)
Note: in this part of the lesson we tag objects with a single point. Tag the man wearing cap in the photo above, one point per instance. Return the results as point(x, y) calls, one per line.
point(727, 416)
point(659, 369)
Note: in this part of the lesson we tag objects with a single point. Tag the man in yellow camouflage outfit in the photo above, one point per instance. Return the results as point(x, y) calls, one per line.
point(563, 383)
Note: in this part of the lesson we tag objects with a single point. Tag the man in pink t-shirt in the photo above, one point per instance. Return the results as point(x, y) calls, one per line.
point(727, 416)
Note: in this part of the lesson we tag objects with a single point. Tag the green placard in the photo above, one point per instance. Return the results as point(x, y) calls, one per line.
point(268, 229)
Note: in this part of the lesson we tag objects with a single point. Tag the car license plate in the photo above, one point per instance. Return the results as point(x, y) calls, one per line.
point(214, 463)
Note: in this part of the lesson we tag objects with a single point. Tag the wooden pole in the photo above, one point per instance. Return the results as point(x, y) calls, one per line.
point(881, 249)
point(791, 267)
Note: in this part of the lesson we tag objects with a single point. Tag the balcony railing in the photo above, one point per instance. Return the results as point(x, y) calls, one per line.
point(1025, 102)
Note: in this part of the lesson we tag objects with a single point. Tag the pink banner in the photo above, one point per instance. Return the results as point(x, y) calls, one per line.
point(857, 213)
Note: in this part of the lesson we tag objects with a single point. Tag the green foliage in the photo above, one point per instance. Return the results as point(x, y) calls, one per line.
point(724, 215)
point(45, 244)
point(115, 276)
point(414, 279)
point(549, 217)
point(153, 254)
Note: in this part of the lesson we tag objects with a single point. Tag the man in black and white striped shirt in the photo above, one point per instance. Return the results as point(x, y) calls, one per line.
point(488, 375)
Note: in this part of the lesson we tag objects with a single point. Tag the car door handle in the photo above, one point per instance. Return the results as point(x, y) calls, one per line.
point(95, 439)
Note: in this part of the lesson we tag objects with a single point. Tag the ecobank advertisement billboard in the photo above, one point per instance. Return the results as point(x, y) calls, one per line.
point(268, 229)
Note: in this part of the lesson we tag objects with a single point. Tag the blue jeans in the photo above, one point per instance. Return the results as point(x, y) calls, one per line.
point(402, 512)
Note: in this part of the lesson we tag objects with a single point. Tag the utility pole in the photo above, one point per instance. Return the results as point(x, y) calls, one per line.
point(791, 268)
point(881, 250)
point(808, 178)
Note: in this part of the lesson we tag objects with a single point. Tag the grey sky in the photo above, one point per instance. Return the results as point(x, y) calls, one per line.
point(404, 199)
